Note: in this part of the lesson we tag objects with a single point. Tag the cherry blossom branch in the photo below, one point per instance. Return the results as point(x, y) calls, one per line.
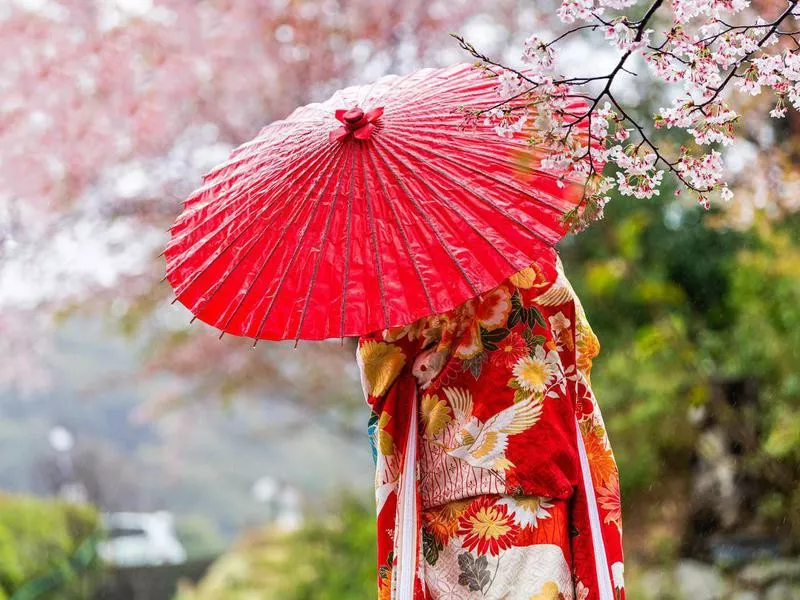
point(773, 27)
point(712, 47)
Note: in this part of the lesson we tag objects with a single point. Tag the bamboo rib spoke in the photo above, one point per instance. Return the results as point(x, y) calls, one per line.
point(289, 221)
point(348, 251)
point(287, 268)
point(219, 252)
point(233, 196)
point(483, 172)
point(454, 210)
point(403, 235)
point(415, 135)
point(374, 241)
point(428, 220)
point(320, 255)
point(472, 191)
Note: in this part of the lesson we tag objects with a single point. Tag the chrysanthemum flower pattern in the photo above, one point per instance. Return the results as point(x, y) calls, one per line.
point(487, 527)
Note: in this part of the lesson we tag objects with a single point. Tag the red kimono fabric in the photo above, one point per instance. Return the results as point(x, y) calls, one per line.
point(494, 474)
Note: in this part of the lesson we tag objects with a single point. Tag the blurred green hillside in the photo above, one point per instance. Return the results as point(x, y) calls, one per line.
point(47, 549)
point(684, 310)
point(329, 558)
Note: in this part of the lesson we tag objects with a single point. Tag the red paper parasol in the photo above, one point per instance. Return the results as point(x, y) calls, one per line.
point(372, 209)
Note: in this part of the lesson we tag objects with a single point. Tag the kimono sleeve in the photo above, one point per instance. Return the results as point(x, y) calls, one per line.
point(587, 346)
point(382, 356)
point(602, 464)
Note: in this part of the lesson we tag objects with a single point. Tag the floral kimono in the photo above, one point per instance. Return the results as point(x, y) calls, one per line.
point(494, 474)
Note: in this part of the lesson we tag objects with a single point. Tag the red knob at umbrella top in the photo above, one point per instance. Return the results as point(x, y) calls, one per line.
point(356, 122)
point(354, 117)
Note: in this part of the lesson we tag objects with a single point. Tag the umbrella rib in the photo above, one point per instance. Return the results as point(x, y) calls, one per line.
point(419, 91)
point(481, 94)
point(437, 106)
point(501, 182)
point(348, 245)
point(296, 251)
point(245, 253)
point(251, 186)
point(404, 237)
point(235, 166)
point(209, 237)
point(489, 139)
point(493, 159)
point(317, 262)
point(459, 86)
point(453, 208)
point(485, 200)
point(206, 298)
point(234, 194)
point(453, 83)
point(374, 240)
point(483, 155)
point(436, 112)
point(429, 222)
point(418, 128)
point(256, 146)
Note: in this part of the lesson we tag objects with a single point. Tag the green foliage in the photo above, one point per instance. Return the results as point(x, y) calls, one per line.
point(329, 558)
point(645, 390)
point(38, 537)
point(678, 303)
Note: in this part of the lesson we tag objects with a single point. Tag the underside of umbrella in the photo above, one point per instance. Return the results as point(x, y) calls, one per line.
point(370, 210)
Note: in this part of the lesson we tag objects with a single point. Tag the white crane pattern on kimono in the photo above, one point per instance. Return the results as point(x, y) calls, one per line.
point(483, 445)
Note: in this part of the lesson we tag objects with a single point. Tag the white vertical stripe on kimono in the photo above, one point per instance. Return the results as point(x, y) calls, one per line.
point(406, 545)
point(600, 562)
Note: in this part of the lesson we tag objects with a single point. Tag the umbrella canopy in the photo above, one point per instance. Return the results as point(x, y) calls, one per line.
point(372, 209)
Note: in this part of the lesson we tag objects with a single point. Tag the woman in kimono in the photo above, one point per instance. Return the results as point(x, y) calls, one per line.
point(494, 474)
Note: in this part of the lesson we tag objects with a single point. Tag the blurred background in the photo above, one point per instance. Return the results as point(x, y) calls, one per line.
point(141, 458)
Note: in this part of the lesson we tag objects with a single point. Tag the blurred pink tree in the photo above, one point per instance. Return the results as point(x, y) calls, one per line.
point(97, 83)
point(110, 110)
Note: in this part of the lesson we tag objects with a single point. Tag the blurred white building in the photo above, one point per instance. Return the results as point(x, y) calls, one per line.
point(141, 539)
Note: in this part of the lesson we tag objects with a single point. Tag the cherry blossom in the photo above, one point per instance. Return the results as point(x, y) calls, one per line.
point(685, 10)
point(539, 56)
point(701, 51)
point(625, 38)
point(509, 84)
